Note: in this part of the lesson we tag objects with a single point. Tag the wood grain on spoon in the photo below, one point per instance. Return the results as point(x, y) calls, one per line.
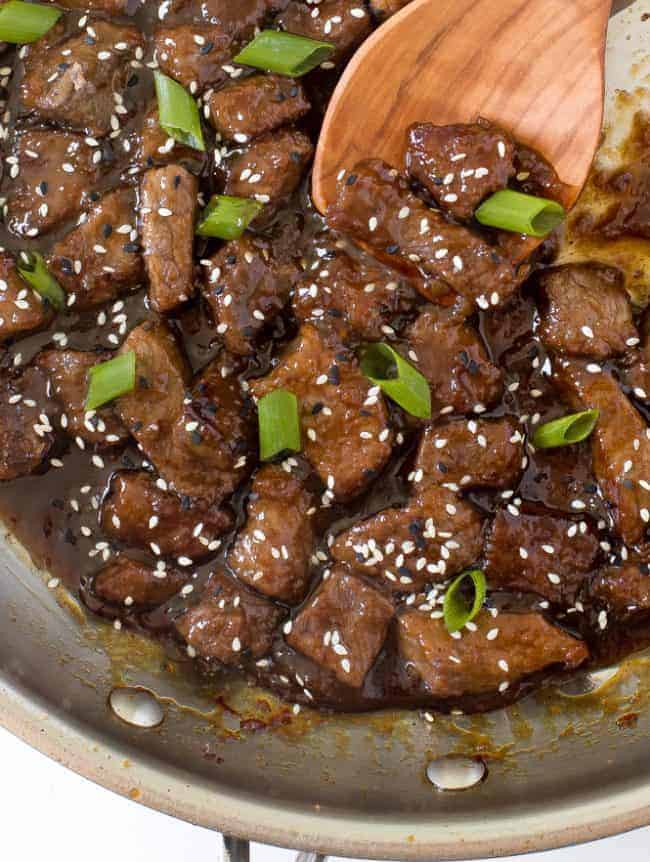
point(536, 67)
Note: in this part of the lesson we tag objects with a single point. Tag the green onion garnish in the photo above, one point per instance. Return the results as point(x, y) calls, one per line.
point(279, 424)
point(520, 213)
point(32, 269)
point(26, 22)
point(566, 430)
point(284, 53)
point(109, 380)
point(226, 217)
point(457, 612)
point(178, 113)
point(397, 378)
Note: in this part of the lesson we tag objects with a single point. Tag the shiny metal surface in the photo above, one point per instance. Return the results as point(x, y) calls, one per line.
point(561, 769)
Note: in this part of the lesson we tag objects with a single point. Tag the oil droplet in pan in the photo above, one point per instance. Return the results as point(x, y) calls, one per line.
point(136, 706)
point(456, 773)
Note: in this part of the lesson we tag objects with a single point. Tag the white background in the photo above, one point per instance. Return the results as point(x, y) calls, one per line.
point(49, 813)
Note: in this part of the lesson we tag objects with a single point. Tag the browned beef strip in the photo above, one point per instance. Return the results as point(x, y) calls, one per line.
point(194, 64)
point(250, 107)
point(450, 354)
point(344, 23)
point(472, 453)
point(346, 433)
point(73, 80)
point(270, 169)
point(343, 626)
point(460, 165)
point(229, 623)
point(67, 371)
point(586, 311)
point(246, 288)
point(272, 552)
point(376, 206)
point(56, 174)
point(539, 553)
point(25, 439)
point(168, 207)
point(535, 176)
point(620, 445)
point(129, 582)
point(138, 513)
point(239, 20)
point(498, 654)
point(101, 258)
point(436, 534)
point(110, 7)
point(22, 309)
point(356, 297)
point(624, 589)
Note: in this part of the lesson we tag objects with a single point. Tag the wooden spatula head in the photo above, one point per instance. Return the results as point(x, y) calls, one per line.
point(536, 67)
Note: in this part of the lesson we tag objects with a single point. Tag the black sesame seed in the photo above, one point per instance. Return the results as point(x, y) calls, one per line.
point(107, 230)
point(316, 409)
point(334, 375)
point(133, 80)
point(195, 437)
point(443, 467)
point(131, 247)
point(392, 249)
point(43, 187)
point(185, 502)
point(205, 49)
point(351, 180)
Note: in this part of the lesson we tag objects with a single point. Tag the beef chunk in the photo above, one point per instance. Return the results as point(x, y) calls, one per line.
point(539, 553)
point(156, 147)
point(586, 311)
point(67, 371)
point(479, 662)
point(56, 173)
point(128, 582)
point(140, 514)
point(271, 168)
point(344, 23)
point(239, 20)
point(110, 7)
point(483, 452)
point(74, 80)
point(272, 552)
point(229, 622)
point(460, 165)
point(193, 54)
point(100, 259)
point(197, 443)
point(451, 355)
point(343, 626)
point(248, 108)
point(434, 536)
point(246, 288)
point(624, 589)
point(376, 206)
point(620, 446)
point(22, 310)
point(168, 208)
point(25, 439)
point(535, 176)
point(355, 296)
point(347, 438)
point(383, 9)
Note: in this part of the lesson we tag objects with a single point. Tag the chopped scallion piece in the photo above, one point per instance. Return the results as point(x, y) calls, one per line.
point(279, 424)
point(566, 430)
point(109, 380)
point(520, 213)
point(178, 113)
point(21, 23)
point(226, 217)
point(32, 269)
point(397, 378)
point(456, 609)
point(284, 53)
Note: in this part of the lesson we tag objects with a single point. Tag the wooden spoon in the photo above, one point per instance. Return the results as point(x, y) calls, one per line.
point(535, 67)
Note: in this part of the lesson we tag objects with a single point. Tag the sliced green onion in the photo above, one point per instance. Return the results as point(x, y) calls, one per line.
point(457, 612)
point(109, 380)
point(32, 269)
point(384, 367)
point(566, 430)
point(178, 113)
point(26, 22)
point(520, 213)
point(226, 217)
point(279, 424)
point(284, 53)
